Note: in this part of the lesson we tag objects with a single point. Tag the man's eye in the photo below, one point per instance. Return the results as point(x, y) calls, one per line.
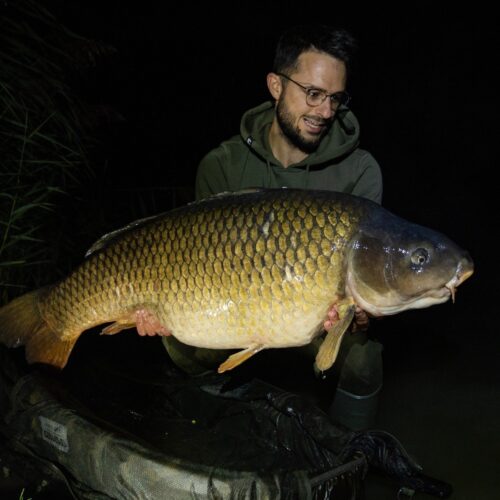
point(314, 93)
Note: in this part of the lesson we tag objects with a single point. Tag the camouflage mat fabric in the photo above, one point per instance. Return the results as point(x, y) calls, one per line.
point(138, 429)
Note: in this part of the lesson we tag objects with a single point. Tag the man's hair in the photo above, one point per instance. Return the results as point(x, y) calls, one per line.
point(337, 43)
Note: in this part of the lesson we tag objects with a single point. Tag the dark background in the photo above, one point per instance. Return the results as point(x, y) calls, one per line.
point(422, 88)
point(182, 76)
point(424, 92)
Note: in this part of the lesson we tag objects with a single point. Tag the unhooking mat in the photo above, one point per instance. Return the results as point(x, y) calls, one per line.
point(145, 430)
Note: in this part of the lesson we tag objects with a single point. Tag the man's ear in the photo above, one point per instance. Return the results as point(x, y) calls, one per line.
point(275, 85)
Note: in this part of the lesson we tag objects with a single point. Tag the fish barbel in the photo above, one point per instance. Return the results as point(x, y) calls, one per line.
point(251, 270)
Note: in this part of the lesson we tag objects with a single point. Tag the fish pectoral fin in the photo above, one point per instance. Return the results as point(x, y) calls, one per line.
point(239, 357)
point(329, 349)
point(143, 318)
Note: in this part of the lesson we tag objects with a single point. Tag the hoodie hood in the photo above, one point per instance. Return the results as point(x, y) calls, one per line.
point(342, 138)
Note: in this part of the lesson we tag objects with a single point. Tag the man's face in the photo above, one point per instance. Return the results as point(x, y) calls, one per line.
point(304, 125)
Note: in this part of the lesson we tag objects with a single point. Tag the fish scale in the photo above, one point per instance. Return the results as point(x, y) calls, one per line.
point(251, 270)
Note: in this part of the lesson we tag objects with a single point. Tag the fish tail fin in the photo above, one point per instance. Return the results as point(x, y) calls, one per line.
point(21, 323)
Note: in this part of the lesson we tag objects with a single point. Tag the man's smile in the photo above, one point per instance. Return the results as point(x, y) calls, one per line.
point(314, 126)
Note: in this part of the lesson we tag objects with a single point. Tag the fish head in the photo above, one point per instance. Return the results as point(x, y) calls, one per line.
point(396, 265)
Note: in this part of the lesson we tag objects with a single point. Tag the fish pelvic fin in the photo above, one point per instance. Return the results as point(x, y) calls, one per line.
point(239, 357)
point(329, 349)
point(21, 323)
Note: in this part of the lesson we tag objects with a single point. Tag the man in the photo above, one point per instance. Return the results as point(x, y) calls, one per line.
point(306, 138)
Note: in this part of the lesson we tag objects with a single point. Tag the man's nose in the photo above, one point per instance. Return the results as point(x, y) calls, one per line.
point(325, 109)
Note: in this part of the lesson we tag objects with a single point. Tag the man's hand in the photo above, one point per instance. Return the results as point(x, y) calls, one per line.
point(361, 319)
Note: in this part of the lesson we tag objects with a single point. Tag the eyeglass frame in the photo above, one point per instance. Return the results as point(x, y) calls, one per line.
point(334, 105)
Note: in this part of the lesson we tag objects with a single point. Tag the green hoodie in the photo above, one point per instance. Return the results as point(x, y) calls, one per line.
point(246, 161)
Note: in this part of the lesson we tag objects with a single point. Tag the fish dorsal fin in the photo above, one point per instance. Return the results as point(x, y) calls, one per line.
point(241, 192)
point(105, 240)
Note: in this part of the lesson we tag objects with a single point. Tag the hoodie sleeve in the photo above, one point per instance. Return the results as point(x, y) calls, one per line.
point(369, 183)
point(210, 176)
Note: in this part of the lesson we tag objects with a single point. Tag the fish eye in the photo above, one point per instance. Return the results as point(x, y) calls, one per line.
point(420, 256)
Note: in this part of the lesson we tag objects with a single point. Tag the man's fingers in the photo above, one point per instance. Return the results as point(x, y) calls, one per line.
point(332, 317)
point(333, 313)
point(361, 320)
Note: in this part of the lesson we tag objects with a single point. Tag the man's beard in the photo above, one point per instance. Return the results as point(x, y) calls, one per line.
point(285, 121)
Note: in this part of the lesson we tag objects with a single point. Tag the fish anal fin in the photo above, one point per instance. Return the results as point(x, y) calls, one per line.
point(117, 327)
point(239, 357)
point(329, 349)
point(144, 318)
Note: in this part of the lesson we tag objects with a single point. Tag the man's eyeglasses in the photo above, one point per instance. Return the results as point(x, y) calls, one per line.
point(315, 97)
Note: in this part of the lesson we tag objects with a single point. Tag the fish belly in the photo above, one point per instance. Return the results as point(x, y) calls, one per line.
point(236, 326)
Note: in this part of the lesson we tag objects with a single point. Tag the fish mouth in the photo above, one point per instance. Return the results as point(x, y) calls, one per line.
point(394, 303)
point(465, 270)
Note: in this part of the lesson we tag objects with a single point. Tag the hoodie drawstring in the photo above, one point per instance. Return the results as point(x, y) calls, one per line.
point(269, 173)
point(243, 170)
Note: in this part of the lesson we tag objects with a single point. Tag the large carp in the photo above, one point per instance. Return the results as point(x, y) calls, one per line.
point(252, 270)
